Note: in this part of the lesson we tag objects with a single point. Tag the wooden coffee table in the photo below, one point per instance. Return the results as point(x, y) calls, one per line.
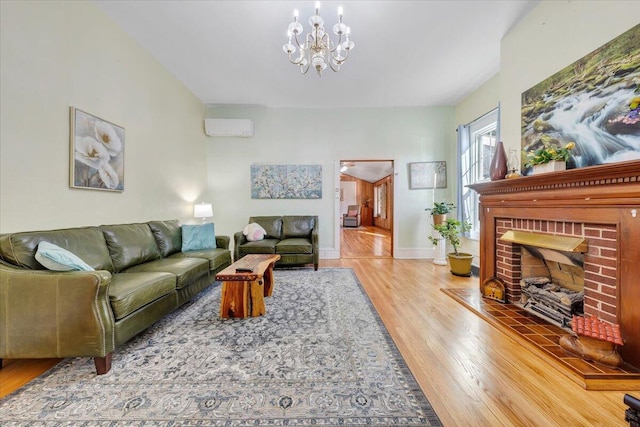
point(245, 283)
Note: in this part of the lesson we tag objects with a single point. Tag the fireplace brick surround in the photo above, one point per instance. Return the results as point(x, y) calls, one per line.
point(600, 204)
point(599, 262)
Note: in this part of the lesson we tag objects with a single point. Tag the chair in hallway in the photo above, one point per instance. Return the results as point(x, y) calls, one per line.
point(352, 217)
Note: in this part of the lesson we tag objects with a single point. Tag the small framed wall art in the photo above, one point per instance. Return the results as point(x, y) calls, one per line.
point(427, 175)
point(96, 152)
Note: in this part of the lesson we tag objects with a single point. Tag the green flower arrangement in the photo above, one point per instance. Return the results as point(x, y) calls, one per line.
point(548, 154)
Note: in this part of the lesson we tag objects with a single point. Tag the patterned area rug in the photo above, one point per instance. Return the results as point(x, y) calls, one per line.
point(320, 356)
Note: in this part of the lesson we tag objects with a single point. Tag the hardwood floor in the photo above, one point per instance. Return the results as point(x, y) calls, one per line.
point(365, 242)
point(472, 373)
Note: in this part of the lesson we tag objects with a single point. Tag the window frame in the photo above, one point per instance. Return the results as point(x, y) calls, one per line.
point(474, 163)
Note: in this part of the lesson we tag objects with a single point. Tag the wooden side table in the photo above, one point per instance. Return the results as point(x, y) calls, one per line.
point(245, 283)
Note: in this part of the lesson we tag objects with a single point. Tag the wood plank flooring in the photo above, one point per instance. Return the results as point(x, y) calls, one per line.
point(472, 373)
point(365, 242)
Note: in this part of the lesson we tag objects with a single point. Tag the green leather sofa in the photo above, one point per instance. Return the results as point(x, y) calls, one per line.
point(294, 238)
point(140, 276)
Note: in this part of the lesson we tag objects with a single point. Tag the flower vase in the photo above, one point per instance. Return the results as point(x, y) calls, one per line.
point(553, 166)
point(498, 168)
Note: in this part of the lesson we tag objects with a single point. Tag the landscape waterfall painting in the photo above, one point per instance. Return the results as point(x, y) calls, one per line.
point(594, 102)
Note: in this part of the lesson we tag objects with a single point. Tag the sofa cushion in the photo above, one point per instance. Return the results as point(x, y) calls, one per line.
point(131, 291)
point(198, 237)
point(254, 232)
point(55, 258)
point(218, 258)
point(294, 246)
point(271, 224)
point(297, 226)
point(266, 246)
point(130, 244)
point(186, 270)
point(86, 242)
point(168, 235)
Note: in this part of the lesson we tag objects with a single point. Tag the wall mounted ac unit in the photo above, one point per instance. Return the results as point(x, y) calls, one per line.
point(228, 127)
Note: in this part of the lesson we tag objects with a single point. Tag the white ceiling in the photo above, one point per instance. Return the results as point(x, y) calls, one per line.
point(407, 53)
point(370, 171)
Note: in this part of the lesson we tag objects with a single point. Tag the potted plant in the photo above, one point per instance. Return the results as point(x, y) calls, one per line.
point(450, 230)
point(439, 211)
point(549, 158)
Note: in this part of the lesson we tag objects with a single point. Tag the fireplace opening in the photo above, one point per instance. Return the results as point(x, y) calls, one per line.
point(552, 284)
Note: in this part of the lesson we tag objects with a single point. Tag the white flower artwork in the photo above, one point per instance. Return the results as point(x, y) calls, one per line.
point(286, 181)
point(97, 153)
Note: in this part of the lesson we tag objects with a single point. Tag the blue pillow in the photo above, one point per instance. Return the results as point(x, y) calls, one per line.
point(58, 259)
point(198, 237)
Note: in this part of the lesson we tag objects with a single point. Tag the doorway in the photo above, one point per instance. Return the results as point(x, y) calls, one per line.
point(366, 186)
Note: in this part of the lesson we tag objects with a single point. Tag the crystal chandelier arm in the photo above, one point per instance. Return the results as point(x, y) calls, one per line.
point(335, 45)
point(339, 60)
point(297, 41)
point(295, 61)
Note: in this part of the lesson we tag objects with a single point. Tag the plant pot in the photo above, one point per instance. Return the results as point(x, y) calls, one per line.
point(439, 219)
point(554, 166)
point(460, 264)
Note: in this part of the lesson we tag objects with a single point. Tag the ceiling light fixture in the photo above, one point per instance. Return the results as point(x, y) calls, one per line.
point(318, 49)
point(346, 165)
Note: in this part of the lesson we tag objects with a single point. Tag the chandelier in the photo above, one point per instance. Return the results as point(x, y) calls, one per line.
point(318, 49)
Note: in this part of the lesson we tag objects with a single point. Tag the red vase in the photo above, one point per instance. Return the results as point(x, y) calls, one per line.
point(498, 168)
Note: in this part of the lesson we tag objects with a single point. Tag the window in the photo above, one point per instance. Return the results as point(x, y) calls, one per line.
point(380, 201)
point(476, 143)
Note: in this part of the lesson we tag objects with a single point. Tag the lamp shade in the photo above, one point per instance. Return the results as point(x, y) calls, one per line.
point(203, 210)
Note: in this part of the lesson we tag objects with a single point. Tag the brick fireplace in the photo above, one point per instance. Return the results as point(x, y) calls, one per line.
point(599, 204)
point(600, 261)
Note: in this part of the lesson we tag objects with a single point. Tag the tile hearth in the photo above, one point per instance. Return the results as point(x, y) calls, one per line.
point(543, 338)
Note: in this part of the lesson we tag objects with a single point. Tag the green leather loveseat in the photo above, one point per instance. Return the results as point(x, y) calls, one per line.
point(140, 276)
point(294, 238)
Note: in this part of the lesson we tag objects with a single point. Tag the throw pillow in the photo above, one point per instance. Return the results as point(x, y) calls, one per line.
point(56, 258)
point(352, 212)
point(198, 237)
point(254, 232)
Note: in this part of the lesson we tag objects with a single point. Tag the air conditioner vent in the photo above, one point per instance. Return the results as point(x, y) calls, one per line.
point(229, 127)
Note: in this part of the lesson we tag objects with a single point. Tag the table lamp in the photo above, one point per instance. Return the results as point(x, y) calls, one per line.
point(203, 210)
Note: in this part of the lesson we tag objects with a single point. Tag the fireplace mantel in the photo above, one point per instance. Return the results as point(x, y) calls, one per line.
point(594, 176)
point(608, 195)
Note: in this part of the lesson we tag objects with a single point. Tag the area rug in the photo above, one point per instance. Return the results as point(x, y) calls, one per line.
point(320, 356)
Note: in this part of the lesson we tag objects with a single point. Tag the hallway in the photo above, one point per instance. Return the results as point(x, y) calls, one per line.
point(365, 242)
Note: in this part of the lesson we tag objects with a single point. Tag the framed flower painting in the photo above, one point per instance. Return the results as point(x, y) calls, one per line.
point(96, 153)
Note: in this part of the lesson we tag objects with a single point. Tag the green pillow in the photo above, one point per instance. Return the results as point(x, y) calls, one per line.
point(58, 259)
point(198, 237)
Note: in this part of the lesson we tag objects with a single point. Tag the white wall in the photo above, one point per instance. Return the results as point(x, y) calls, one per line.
point(324, 136)
point(553, 35)
point(60, 54)
point(349, 195)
